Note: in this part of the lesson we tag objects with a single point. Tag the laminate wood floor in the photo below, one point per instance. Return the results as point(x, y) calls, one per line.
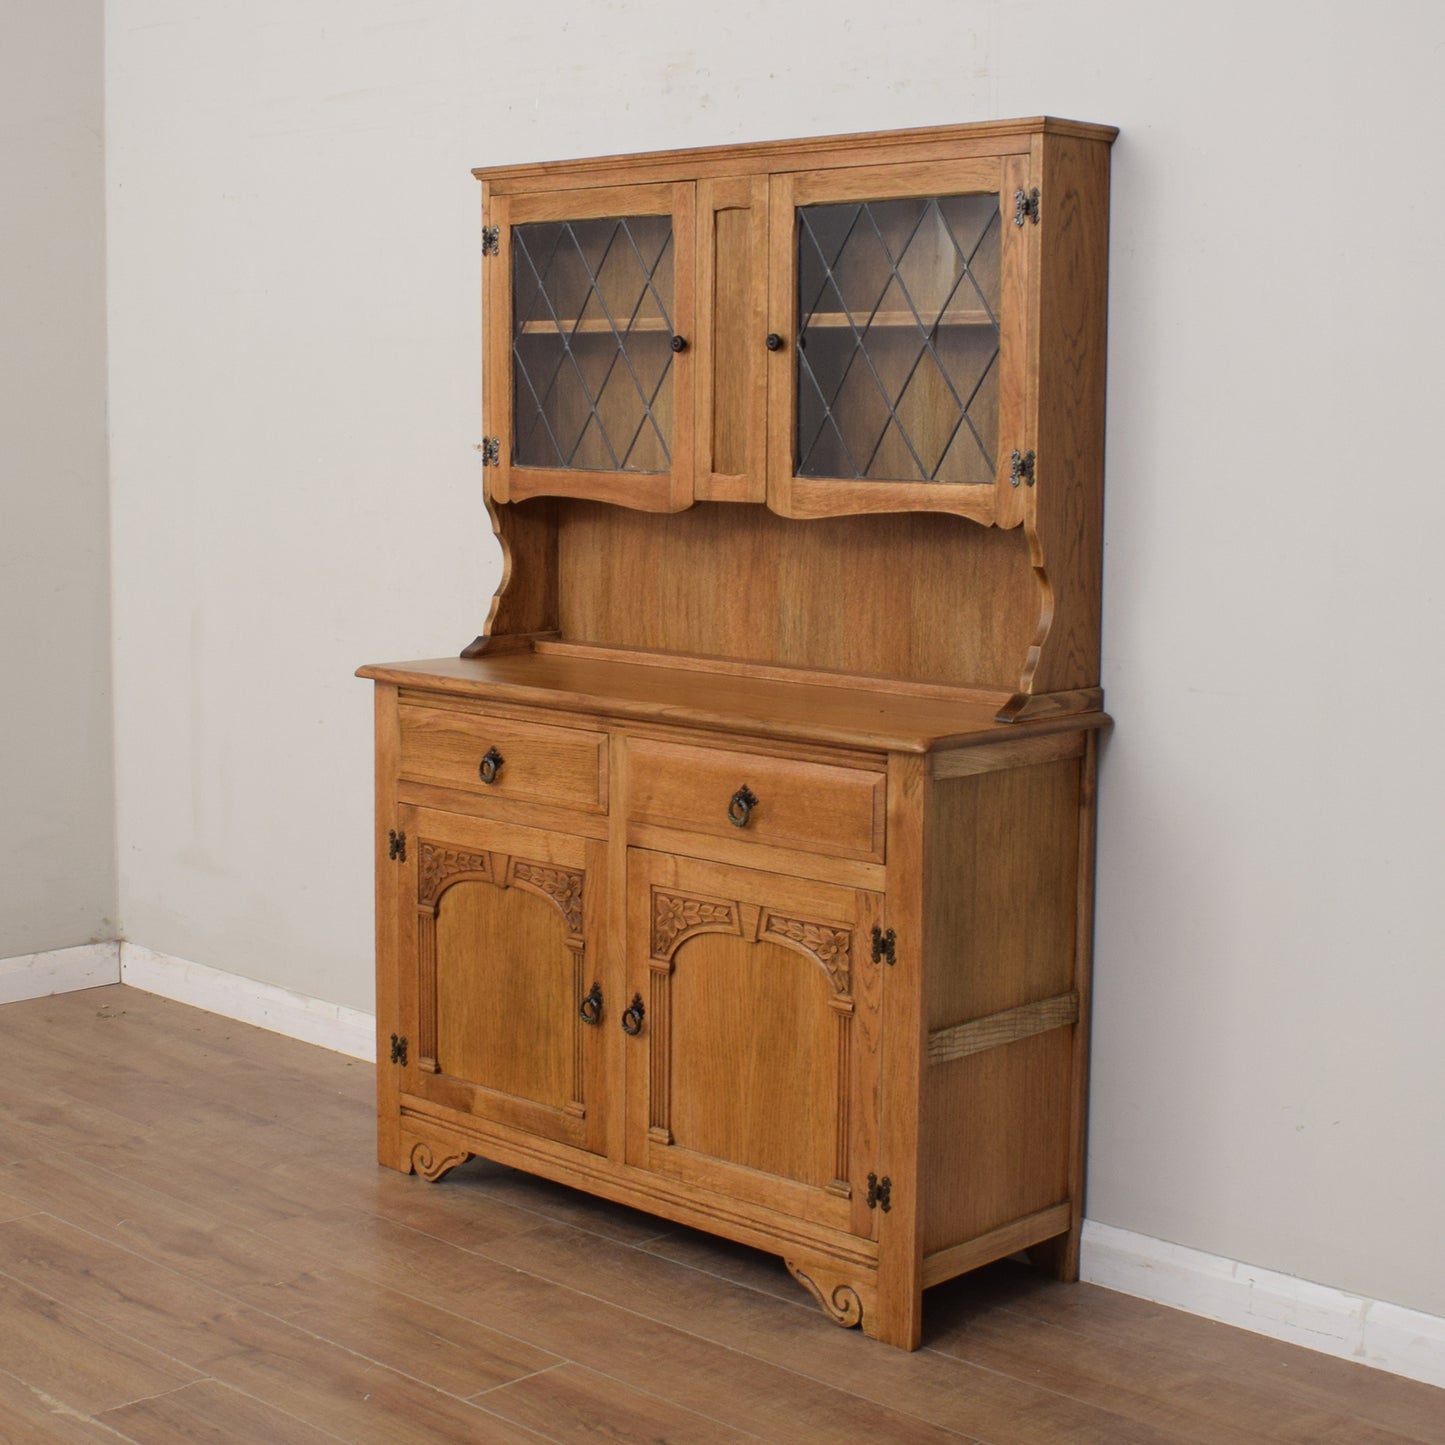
point(196, 1245)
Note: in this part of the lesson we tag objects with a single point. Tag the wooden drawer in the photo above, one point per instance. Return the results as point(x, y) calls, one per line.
point(540, 763)
point(817, 807)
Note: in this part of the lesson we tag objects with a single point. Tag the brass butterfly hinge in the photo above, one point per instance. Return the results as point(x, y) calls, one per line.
point(1026, 206)
point(492, 239)
point(396, 846)
point(884, 946)
point(880, 1193)
point(491, 450)
point(1020, 468)
point(398, 1049)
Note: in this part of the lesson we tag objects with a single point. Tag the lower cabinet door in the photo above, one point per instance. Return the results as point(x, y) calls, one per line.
point(502, 996)
point(755, 1011)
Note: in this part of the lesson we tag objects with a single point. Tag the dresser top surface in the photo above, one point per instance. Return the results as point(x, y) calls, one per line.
point(823, 712)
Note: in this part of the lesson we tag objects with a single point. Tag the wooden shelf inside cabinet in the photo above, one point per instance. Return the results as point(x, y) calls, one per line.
point(742, 870)
point(828, 320)
point(593, 326)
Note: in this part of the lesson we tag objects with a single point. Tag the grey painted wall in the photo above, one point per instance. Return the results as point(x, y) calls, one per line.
point(57, 809)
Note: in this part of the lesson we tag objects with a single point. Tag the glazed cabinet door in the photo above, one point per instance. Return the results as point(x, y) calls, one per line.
point(898, 378)
point(588, 324)
point(754, 1011)
point(502, 995)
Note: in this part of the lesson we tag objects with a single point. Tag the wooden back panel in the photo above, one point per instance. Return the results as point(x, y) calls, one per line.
point(921, 597)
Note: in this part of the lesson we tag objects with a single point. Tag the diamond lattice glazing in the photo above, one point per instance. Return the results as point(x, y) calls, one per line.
point(898, 339)
point(591, 343)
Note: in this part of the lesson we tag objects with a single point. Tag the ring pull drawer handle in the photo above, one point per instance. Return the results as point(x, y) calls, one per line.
point(490, 766)
point(633, 1015)
point(740, 809)
point(591, 1006)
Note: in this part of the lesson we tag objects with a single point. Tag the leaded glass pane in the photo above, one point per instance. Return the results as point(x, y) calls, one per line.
point(898, 339)
point(591, 343)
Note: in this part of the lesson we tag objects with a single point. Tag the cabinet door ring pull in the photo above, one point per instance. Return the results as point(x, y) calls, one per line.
point(633, 1015)
point(740, 809)
point(590, 1009)
point(491, 765)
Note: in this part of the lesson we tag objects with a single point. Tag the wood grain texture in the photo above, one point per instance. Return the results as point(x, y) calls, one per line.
point(1007, 1239)
point(995, 1138)
point(806, 805)
point(388, 982)
point(731, 324)
point(980, 138)
point(964, 763)
point(750, 1075)
point(1003, 890)
point(881, 596)
point(504, 993)
point(524, 606)
point(977, 1035)
point(594, 688)
point(1064, 521)
point(540, 761)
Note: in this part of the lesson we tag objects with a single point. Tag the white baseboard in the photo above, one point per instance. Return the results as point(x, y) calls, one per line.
point(330, 1025)
point(1370, 1332)
point(60, 970)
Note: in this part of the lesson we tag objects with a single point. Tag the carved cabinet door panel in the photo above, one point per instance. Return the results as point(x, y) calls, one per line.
point(502, 994)
point(755, 1010)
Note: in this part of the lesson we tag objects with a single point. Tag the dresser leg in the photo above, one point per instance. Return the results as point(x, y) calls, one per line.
point(1058, 1256)
point(898, 1320)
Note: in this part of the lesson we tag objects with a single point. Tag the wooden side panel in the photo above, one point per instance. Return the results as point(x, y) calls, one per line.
point(1002, 1000)
point(924, 598)
point(524, 605)
point(389, 1149)
point(995, 1137)
point(1002, 890)
point(1064, 518)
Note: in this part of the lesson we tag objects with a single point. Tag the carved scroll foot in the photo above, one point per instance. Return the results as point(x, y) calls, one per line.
point(838, 1298)
point(432, 1166)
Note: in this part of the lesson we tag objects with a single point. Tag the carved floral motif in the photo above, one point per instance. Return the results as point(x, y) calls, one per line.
point(440, 865)
point(562, 885)
point(674, 914)
point(830, 946)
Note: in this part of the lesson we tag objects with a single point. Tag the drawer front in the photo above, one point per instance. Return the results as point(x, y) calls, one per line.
point(539, 763)
point(816, 807)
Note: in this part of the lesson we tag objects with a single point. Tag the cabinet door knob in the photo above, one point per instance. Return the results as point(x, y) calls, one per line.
point(591, 1006)
point(490, 766)
point(633, 1015)
point(679, 343)
point(775, 342)
point(740, 808)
